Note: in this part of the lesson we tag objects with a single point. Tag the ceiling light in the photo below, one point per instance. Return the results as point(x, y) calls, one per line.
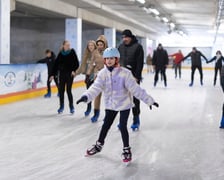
point(165, 19)
point(154, 11)
point(141, 1)
point(146, 10)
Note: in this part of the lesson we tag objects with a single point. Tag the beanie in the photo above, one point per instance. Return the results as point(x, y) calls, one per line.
point(127, 33)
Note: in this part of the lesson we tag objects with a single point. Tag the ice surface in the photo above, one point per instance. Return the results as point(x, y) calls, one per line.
point(178, 141)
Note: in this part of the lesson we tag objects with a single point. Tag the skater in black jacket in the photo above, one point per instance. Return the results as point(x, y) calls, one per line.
point(218, 64)
point(65, 67)
point(160, 62)
point(132, 58)
point(222, 84)
point(195, 64)
point(49, 60)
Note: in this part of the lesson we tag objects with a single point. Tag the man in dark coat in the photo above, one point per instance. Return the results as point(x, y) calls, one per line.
point(195, 64)
point(132, 58)
point(160, 62)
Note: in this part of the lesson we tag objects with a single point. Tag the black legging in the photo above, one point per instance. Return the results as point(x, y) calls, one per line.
point(222, 82)
point(163, 73)
point(216, 72)
point(65, 79)
point(49, 83)
point(193, 68)
point(108, 121)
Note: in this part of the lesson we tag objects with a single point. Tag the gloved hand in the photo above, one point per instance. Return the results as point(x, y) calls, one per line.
point(82, 99)
point(87, 79)
point(154, 104)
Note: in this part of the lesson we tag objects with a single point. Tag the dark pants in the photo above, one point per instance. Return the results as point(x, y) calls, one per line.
point(136, 108)
point(216, 73)
point(177, 67)
point(110, 115)
point(65, 79)
point(222, 82)
point(163, 73)
point(193, 68)
point(49, 83)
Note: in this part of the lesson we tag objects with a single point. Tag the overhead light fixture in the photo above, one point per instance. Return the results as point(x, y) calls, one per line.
point(165, 19)
point(154, 11)
point(141, 1)
point(146, 10)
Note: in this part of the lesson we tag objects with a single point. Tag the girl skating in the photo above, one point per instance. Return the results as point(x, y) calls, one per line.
point(119, 86)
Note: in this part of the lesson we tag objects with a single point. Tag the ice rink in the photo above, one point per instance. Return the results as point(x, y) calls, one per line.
point(180, 140)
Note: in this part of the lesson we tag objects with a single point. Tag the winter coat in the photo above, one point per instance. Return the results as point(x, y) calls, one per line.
point(218, 62)
point(97, 61)
point(132, 57)
point(119, 87)
point(160, 58)
point(66, 63)
point(195, 58)
point(178, 57)
point(50, 62)
point(85, 64)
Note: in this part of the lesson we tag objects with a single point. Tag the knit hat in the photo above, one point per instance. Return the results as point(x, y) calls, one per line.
point(127, 33)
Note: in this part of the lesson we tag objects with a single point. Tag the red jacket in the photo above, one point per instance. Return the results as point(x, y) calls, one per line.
point(177, 57)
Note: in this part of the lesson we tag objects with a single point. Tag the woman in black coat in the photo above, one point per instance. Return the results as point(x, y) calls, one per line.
point(218, 64)
point(65, 67)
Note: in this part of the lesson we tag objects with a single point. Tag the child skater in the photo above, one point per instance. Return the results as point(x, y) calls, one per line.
point(119, 86)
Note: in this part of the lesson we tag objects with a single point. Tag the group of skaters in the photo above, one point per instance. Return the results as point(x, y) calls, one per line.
point(160, 60)
point(117, 72)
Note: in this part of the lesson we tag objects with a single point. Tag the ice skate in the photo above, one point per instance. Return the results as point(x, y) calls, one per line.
point(88, 110)
point(191, 84)
point(95, 149)
point(201, 83)
point(72, 109)
point(126, 155)
point(95, 116)
point(222, 123)
point(48, 95)
point(61, 109)
point(136, 124)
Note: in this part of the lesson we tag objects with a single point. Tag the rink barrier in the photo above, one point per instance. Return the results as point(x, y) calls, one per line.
point(32, 93)
point(23, 95)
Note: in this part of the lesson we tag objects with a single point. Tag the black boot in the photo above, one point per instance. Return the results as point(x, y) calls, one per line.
point(88, 110)
point(96, 115)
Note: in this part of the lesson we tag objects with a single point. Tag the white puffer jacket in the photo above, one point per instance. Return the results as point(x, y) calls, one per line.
point(119, 87)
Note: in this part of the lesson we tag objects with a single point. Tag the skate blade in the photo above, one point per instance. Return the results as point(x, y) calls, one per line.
point(135, 129)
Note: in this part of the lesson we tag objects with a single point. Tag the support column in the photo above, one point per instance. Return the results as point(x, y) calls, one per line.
point(73, 33)
point(110, 34)
point(4, 32)
point(144, 45)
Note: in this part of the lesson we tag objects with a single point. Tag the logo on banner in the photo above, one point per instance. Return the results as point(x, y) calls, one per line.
point(10, 79)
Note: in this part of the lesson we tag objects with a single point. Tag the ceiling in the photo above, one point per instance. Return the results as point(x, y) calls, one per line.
point(196, 19)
